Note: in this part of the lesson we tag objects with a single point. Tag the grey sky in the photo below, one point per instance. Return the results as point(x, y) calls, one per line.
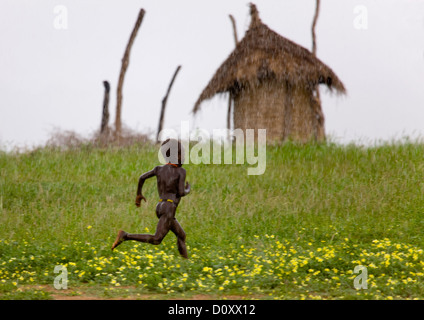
point(53, 77)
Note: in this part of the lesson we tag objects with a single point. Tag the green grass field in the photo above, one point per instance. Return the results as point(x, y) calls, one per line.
point(296, 232)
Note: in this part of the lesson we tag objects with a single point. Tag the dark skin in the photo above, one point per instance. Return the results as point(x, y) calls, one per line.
point(171, 186)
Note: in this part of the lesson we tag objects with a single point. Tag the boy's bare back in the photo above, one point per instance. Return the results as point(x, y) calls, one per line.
point(170, 183)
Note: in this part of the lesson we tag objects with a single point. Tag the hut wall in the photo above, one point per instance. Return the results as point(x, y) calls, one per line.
point(260, 107)
point(303, 124)
point(284, 110)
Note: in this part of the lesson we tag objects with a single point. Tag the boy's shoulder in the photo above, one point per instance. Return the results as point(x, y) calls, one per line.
point(181, 169)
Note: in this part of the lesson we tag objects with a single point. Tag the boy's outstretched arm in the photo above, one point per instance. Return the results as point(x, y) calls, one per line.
point(141, 180)
point(183, 190)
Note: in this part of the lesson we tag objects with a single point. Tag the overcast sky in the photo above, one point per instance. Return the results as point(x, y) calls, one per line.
point(54, 56)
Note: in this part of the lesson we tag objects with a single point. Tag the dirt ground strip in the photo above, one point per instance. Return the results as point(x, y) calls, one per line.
point(126, 293)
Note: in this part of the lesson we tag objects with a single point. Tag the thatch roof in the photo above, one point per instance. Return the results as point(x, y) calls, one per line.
point(263, 53)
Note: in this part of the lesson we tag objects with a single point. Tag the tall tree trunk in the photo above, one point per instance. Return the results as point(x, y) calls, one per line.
point(124, 66)
point(164, 100)
point(314, 23)
point(105, 114)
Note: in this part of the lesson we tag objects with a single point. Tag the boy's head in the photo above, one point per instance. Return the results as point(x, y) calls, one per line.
point(172, 151)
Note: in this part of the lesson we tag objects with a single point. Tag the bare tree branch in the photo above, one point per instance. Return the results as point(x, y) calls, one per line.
point(164, 100)
point(125, 63)
point(316, 100)
point(233, 22)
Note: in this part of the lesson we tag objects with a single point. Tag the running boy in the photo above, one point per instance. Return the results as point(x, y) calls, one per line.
point(171, 187)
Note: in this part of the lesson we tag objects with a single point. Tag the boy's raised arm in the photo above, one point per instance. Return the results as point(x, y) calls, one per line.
point(141, 180)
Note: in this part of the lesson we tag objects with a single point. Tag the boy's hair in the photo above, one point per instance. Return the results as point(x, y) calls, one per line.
point(172, 151)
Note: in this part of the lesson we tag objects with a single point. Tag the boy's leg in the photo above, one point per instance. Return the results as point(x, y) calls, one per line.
point(181, 236)
point(162, 229)
point(166, 214)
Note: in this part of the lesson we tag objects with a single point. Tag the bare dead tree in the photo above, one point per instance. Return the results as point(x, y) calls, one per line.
point(164, 101)
point(105, 114)
point(230, 98)
point(316, 103)
point(124, 66)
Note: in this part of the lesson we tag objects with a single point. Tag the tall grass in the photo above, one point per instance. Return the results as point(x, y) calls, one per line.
point(50, 198)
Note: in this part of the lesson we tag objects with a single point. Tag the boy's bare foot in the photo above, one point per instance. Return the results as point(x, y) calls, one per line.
point(119, 239)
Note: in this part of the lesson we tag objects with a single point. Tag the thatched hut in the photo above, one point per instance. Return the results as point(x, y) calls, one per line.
point(273, 83)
